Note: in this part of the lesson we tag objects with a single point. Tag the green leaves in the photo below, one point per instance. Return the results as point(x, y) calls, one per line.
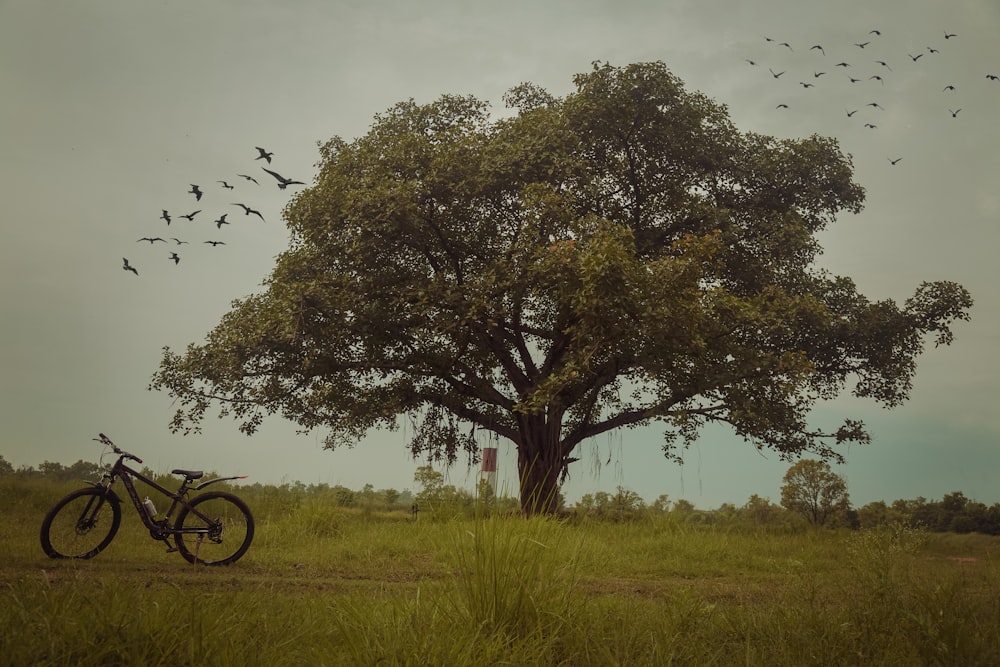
point(935, 306)
point(812, 489)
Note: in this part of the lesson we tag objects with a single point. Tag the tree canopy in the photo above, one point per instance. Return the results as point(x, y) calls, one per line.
point(812, 489)
point(616, 257)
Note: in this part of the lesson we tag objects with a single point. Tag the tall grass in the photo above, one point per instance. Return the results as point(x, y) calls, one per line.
point(513, 576)
point(324, 585)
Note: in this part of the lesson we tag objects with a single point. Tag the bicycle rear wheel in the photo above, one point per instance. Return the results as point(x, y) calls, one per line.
point(82, 524)
point(220, 538)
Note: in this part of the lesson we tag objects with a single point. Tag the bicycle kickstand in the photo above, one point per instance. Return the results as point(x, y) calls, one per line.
point(197, 547)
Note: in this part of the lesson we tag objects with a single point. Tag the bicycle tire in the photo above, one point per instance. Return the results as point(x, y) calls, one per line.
point(230, 532)
point(78, 525)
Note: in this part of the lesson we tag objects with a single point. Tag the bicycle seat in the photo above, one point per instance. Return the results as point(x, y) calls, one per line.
point(190, 474)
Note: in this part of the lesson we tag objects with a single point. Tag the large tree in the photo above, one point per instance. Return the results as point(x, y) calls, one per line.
point(616, 257)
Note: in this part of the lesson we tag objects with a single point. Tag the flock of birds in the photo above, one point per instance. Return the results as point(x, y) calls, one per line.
point(196, 190)
point(863, 67)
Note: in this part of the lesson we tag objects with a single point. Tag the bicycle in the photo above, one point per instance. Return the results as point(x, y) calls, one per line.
point(213, 528)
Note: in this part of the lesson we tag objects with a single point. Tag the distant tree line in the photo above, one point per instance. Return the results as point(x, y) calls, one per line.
point(953, 513)
point(50, 470)
point(811, 494)
point(366, 498)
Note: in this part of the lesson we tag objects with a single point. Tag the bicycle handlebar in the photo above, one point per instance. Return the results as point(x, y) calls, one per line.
point(105, 440)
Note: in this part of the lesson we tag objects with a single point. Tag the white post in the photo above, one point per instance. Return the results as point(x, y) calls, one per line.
point(489, 471)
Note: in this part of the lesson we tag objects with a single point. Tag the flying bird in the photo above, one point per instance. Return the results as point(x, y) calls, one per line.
point(175, 257)
point(225, 185)
point(751, 62)
point(190, 216)
point(861, 45)
point(917, 57)
point(884, 64)
point(891, 161)
point(875, 104)
point(775, 74)
point(817, 46)
point(954, 114)
point(165, 216)
point(177, 240)
point(993, 77)
point(781, 106)
point(806, 85)
point(817, 75)
point(247, 210)
point(215, 243)
point(221, 221)
point(853, 80)
point(196, 191)
point(948, 35)
point(851, 113)
point(877, 78)
point(874, 32)
point(249, 178)
point(948, 87)
point(786, 44)
point(932, 50)
point(282, 181)
point(128, 267)
point(842, 65)
point(870, 126)
point(151, 240)
point(263, 154)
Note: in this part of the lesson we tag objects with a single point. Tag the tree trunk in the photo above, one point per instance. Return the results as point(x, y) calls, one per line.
point(539, 464)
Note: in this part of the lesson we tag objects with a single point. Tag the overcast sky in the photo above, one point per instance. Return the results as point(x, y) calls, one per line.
point(111, 109)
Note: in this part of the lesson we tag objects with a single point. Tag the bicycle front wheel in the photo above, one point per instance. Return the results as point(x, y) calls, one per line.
point(82, 524)
point(215, 528)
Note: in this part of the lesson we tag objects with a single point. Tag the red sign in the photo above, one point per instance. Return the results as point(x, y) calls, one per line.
point(489, 459)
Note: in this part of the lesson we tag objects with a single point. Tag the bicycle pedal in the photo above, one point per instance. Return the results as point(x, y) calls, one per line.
point(171, 550)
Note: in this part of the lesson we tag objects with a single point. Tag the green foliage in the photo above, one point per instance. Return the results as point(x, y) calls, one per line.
point(624, 505)
point(812, 489)
point(431, 482)
point(617, 257)
point(880, 555)
point(761, 510)
point(79, 471)
point(954, 512)
point(441, 501)
point(514, 578)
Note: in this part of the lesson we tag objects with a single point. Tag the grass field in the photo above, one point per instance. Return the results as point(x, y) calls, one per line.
point(323, 585)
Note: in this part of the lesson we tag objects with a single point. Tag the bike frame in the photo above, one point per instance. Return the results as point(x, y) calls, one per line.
point(162, 527)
